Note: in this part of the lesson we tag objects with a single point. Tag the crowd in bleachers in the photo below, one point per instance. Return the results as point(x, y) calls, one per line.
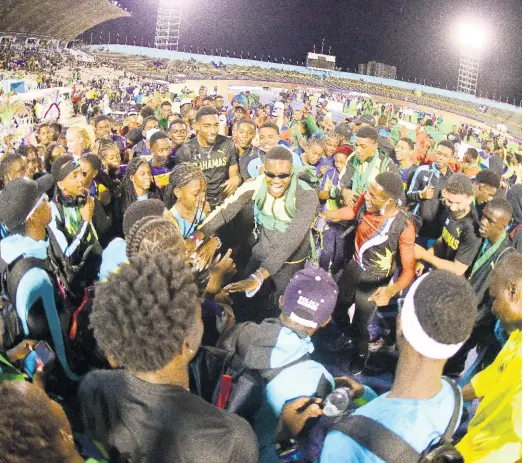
point(194, 70)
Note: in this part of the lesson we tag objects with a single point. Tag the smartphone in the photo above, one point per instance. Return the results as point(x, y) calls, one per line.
point(41, 352)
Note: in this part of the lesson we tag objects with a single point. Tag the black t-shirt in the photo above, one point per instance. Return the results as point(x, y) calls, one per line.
point(214, 163)
point(152, 423)
point(460, 239)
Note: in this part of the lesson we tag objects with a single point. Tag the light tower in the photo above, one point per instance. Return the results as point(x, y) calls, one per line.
point(471, 38)
point(168, 25)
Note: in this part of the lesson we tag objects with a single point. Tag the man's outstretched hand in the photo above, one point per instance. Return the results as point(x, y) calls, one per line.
point(249, 284)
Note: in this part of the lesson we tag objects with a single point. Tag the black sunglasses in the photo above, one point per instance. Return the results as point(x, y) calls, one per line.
point(280, 176)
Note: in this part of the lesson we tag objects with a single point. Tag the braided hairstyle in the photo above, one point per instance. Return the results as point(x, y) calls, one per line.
point(180, 176)
point(128, 191)
point(154, 234)
point(143, 314)
point(316, 141)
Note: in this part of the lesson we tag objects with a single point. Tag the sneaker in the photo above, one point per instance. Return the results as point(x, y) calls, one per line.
point(358, 361)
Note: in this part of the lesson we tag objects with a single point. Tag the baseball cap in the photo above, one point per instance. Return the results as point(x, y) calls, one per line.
point(310, 297)
point(186, 101)
point(133, 110)
point(279, 105)
point(366, 119)
point(63, 166)
point(20, 198)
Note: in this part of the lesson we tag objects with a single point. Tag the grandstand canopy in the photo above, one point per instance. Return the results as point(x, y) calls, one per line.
point(61, 19)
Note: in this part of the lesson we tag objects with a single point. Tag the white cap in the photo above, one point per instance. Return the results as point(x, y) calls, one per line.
point(279, 105)
point(150, 133)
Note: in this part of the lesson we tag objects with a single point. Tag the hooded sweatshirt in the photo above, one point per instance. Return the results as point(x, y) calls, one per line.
point(274, 248)
point(272, 348)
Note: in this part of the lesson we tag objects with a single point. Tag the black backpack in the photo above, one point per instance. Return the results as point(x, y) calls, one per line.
point(220, 377)
point(396, 229)
point(391, 448)
point(10, 276)
point(57, 323)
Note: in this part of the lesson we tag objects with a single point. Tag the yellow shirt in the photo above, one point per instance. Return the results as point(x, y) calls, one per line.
point(494, 434)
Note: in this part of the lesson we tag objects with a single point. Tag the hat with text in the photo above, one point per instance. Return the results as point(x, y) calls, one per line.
point(310, 297)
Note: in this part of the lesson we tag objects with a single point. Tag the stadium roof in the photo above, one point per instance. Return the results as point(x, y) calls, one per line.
point(61, 19)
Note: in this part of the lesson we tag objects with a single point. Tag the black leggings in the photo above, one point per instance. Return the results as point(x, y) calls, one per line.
point(356, 286)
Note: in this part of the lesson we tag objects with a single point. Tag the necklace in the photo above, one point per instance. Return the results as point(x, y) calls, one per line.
point(207, 153)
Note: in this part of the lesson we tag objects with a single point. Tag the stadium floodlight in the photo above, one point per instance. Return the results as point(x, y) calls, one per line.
point(167, 36)
point(472, 39)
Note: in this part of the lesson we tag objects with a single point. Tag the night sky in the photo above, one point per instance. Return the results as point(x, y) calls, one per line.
point(416, 36)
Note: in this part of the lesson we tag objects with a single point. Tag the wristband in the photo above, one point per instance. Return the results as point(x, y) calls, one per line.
point(257, 278)
point(219, 242)
point(255, 290)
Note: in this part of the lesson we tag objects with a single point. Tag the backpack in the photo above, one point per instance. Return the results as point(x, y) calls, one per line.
point(396, 229)
point(220, 377)
point(391, 448)
point(230, 343)
point(10, 277)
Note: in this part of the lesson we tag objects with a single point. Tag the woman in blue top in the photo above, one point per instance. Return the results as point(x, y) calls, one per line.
point(137, 183)
point(185, 197)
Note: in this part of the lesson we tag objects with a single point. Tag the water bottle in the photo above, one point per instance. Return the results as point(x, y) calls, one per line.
point(337, 402)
